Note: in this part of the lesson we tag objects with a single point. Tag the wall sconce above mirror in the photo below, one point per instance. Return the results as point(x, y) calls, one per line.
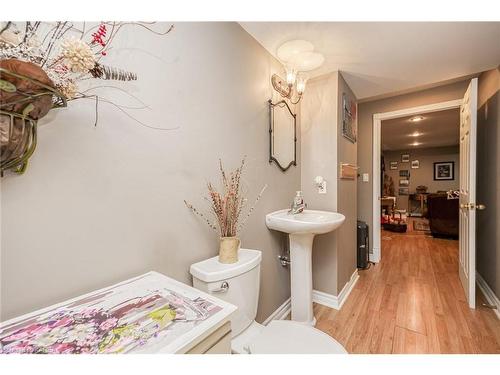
point(298, 56)
point(282, 135)
point(292, 87)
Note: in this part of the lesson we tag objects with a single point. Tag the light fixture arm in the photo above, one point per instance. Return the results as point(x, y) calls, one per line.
point(298, 100)
point(280, 85)
point(285, 89)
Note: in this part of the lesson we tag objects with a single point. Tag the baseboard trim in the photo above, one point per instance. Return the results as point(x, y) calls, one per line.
point(374, 256)
point(329, 300)
point(488, 294)
point(336, 302)
point(280, 313)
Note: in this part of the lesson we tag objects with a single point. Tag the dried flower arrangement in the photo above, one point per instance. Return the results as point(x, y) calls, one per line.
point(67, 53)
point(227, 206)
point(42, 66)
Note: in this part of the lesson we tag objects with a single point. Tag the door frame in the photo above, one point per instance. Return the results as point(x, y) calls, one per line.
point(376, 254)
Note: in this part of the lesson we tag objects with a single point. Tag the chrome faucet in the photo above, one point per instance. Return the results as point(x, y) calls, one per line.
point(298, 204)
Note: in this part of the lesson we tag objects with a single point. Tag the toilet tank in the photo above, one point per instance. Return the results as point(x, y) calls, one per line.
point(243, 282)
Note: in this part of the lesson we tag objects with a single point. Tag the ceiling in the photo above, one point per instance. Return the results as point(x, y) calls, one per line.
point(437, 129)
point(378, 58)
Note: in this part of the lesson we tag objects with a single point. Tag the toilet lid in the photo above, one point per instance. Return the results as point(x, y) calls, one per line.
point(288, 337)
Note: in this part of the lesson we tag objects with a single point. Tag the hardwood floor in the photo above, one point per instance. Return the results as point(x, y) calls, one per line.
point(412, 302)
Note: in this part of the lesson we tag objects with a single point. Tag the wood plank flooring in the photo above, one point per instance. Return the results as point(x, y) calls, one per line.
point(412, 302)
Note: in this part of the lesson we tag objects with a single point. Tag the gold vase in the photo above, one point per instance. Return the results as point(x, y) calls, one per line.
point(228, 249)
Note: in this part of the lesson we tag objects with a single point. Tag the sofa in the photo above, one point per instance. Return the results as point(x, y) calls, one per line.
point(443, 215)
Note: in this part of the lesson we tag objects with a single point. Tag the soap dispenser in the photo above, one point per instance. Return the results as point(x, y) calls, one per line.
point(298, 204)
point(298, 200)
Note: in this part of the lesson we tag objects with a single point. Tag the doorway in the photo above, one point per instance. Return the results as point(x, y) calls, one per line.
point(420, 174)
point(468, 109)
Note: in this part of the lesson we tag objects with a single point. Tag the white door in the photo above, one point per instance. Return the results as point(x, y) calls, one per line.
point(467, 221)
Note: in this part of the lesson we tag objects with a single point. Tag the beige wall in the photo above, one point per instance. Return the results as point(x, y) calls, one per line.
point(102, 204)
point(365, 130)
point(488, 179)
point(319, 158)
point(424, 175)
point(323, 148)
point(346, 196)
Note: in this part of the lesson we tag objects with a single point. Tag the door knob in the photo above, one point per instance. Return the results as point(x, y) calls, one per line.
point(472, 206)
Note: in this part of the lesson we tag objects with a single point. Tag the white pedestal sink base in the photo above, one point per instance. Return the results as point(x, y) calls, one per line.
point(301, 278)
point(302, 228)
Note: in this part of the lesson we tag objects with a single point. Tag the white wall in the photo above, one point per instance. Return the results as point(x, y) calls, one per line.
point(101, 204)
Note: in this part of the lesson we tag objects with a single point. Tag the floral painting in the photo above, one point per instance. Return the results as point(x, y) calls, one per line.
point(117, 320)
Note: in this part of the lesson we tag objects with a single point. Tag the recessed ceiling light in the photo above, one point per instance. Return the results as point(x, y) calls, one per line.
point(415, 144)
point(415, 134)
point(416, 118)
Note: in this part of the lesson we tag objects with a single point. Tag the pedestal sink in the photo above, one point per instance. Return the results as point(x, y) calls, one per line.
point(301, 229)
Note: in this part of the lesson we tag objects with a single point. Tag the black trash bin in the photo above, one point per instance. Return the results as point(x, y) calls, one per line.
point(363, 245)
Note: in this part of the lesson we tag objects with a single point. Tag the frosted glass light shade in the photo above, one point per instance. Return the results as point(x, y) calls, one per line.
point(294, 47)
point(306, 61)
point(291, 75)
point(301, 85)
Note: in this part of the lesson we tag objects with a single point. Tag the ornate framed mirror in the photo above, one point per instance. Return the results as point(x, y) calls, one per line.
point(282, 135)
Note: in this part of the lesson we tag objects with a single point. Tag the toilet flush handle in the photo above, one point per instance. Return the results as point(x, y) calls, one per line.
point(222, 289)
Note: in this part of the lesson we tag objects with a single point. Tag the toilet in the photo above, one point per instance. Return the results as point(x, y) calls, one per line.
point(238, 283)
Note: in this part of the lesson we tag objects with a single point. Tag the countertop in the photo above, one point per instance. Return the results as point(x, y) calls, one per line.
point(151, 313)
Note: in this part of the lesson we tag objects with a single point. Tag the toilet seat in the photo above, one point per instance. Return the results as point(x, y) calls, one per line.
point(289, 337)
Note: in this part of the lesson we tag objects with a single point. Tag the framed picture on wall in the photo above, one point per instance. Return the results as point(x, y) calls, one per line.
point(404, 191)
point(349, 123)
point(444, 170)
point(415, 164)
point(404, 182)
point(393, 165)
point(405, 158)
point(404, 173)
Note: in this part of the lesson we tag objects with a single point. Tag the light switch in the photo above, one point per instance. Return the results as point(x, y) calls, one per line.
point(366, 177)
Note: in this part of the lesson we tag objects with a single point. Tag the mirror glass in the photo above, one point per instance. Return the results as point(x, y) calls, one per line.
point(282, 135)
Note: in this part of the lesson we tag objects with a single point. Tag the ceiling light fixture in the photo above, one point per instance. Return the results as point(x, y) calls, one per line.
point(415, 134)
point(298, 57)
point(415, 144)
point(416, 118)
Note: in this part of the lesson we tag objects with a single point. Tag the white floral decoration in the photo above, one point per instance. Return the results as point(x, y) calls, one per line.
point(77, 55)
point(69, 89)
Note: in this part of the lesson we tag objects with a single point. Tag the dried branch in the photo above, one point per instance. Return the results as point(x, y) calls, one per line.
point(7, 25)
point(190, 206)
point(121, 109)
point(227, 206)
point(253, 207)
